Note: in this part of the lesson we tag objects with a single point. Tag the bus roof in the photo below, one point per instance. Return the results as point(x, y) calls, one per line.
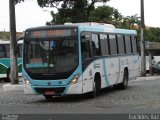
point(88, 26)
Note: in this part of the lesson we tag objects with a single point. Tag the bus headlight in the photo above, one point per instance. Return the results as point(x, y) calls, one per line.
point(75, 79)
point(26, 82)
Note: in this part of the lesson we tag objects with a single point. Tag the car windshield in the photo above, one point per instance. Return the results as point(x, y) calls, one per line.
point(51, 55)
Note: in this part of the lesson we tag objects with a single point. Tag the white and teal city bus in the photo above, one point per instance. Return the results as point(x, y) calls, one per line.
point(5, 59)
point(78, 58)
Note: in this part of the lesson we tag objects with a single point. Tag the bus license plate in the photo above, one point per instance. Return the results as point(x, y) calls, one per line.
point(50, 93)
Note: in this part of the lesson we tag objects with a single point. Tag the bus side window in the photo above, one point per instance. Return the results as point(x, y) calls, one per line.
point(7, 50)
point(104, 44)
point(85, 49)
point(121, 44)
point(96, 45)
point(2, 55)
point(113, 44)
point(128, 44)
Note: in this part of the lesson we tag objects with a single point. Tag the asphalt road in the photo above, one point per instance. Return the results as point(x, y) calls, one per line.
point(141, 97)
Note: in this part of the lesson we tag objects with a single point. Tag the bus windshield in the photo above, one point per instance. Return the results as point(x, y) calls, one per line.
point(55, 55)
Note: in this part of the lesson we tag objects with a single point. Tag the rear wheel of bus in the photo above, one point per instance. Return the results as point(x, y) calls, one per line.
point(124, 84)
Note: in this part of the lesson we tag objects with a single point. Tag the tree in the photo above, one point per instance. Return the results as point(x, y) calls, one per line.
point(105, 14)
point(73, 10)
point(18, 1)
point(152, 34)
point(56, 3)
point(130, 22)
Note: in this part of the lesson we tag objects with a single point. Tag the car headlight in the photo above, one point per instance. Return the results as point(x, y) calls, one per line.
point(75, 79)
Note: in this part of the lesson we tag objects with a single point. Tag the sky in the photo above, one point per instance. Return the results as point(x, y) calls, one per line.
point(29, 14)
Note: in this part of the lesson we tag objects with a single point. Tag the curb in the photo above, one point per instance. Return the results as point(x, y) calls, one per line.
point(148, 78)
point(10, 87)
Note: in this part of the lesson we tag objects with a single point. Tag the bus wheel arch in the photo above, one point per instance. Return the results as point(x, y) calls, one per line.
point(124, 83)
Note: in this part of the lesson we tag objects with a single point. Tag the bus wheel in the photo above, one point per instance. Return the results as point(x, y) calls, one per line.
point(48, 97)
point(93, 94)
point(124, 84)
point(8, 76)
point(96, 87)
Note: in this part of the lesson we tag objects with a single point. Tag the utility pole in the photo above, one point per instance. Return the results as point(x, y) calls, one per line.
point(13, 44)
point(143, 58)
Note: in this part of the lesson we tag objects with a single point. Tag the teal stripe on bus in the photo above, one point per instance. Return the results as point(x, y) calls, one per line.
point(105, 73)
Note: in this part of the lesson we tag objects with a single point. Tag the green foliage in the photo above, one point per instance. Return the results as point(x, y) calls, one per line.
point(130, 22)
point(18, 1)
point(105, 14)
point(152, 34)
point(71, 3)
point(71, 10)
point(4, 35)
point(84, 11)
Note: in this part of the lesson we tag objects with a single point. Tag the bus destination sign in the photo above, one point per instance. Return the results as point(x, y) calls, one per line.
point(53, 33)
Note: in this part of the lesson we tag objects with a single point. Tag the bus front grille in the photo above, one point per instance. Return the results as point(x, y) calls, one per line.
point(50, 77)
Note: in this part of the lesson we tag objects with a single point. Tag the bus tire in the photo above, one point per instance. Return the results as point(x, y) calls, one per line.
point(95, 90)
point(7, 79)
point(93, 94)
point(96, 87)
point(124, 84)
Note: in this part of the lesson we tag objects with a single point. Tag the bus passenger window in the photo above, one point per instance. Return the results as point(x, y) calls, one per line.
point(104, 44)
point(7, 50)
point(95, 45)
point(121, 44)
point(128, 44)
point(113, 44)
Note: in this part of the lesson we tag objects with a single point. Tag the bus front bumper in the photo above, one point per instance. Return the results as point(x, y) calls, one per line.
point(54, 90)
